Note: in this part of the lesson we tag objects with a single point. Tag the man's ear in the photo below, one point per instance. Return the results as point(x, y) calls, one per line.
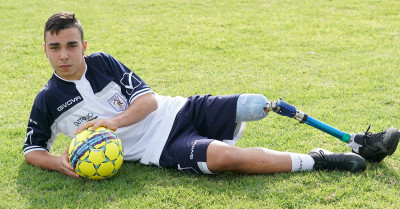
point(84, 46)
point(45, 52)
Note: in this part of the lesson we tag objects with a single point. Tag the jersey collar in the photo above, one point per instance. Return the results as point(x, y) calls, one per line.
point(71, 81)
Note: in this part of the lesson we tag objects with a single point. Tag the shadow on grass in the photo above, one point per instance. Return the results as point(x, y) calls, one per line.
point(137, 185)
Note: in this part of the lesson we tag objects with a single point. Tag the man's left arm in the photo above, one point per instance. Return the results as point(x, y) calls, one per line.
point(136, 111)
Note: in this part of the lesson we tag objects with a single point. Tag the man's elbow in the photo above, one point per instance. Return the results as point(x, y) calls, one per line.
point(28, 158)
point(154, 106)
point(34, 157)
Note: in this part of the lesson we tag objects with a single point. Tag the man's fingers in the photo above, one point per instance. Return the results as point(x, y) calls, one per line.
point(66, 168)
point(69, 167)
point(71, 173)
point(65, 162)
point(69, 170)
point(95, 126)
point(85, 126)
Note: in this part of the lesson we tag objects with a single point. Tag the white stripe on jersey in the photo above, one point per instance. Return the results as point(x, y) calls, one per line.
point(33, 148)
point(139, 93)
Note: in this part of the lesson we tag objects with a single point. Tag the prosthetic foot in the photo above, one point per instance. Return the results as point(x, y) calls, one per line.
point(375, 147)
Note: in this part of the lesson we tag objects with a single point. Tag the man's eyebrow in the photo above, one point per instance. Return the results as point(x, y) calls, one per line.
point(72, 42)
point(68, 43)
point(54, 44)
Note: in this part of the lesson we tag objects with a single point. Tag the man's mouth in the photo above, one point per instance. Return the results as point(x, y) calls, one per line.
point(65, 67)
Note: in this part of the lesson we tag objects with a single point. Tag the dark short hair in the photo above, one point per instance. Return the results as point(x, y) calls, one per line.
point(62, 21)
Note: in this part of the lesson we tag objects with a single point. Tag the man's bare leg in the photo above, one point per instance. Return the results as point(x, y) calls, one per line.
point(223, 157)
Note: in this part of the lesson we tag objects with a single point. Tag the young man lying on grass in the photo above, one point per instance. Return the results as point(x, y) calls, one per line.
point(195, 134)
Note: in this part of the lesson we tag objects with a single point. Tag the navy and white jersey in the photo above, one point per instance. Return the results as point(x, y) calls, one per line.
point(106, 89)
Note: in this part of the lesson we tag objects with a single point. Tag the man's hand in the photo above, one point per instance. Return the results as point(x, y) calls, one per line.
point(65, 167)
point(139, 109)
point(108, 123)
point(50, 162)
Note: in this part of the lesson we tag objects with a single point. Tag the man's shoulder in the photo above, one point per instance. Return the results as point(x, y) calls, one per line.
point(98, 55)
point(48, 88)
point(99, 60)
point(55, 84)
point(54, 88)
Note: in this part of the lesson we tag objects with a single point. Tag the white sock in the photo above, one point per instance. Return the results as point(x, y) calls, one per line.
point(301, 162)
point(353, 144)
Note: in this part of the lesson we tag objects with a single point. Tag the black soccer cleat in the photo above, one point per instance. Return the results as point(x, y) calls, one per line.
point(375, 147)
point(325, 160)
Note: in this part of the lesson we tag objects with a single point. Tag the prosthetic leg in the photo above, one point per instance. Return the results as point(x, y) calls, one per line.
point(373, 147)
point(286, 109)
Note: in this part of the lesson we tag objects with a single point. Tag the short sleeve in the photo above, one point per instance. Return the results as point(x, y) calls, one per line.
point(41, 130)
point(132, 86)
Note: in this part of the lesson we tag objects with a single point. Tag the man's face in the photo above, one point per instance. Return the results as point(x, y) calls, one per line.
point(65, 52)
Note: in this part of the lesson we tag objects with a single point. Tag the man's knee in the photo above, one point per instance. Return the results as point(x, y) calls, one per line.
point(222, 157)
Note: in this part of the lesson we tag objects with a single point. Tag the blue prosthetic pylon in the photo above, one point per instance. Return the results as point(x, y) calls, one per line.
point(286, 109)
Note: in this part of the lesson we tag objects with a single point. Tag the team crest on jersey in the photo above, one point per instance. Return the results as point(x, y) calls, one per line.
point(118, 103)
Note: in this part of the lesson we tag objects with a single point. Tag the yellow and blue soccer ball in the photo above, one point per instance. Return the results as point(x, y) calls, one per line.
point(96, 154)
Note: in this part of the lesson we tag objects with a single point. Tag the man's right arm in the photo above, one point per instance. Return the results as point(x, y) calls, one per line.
point(46, 161)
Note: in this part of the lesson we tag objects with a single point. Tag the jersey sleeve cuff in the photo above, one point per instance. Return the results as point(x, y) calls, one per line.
point(34, 148)
point(140, 93)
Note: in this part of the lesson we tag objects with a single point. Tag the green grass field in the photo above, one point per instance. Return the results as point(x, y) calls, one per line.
point(336, 60)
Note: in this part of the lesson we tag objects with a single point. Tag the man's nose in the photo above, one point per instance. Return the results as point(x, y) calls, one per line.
point(64, 55)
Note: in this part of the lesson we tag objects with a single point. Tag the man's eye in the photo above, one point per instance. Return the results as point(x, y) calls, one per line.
point(72, 46)
point(53, 48)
